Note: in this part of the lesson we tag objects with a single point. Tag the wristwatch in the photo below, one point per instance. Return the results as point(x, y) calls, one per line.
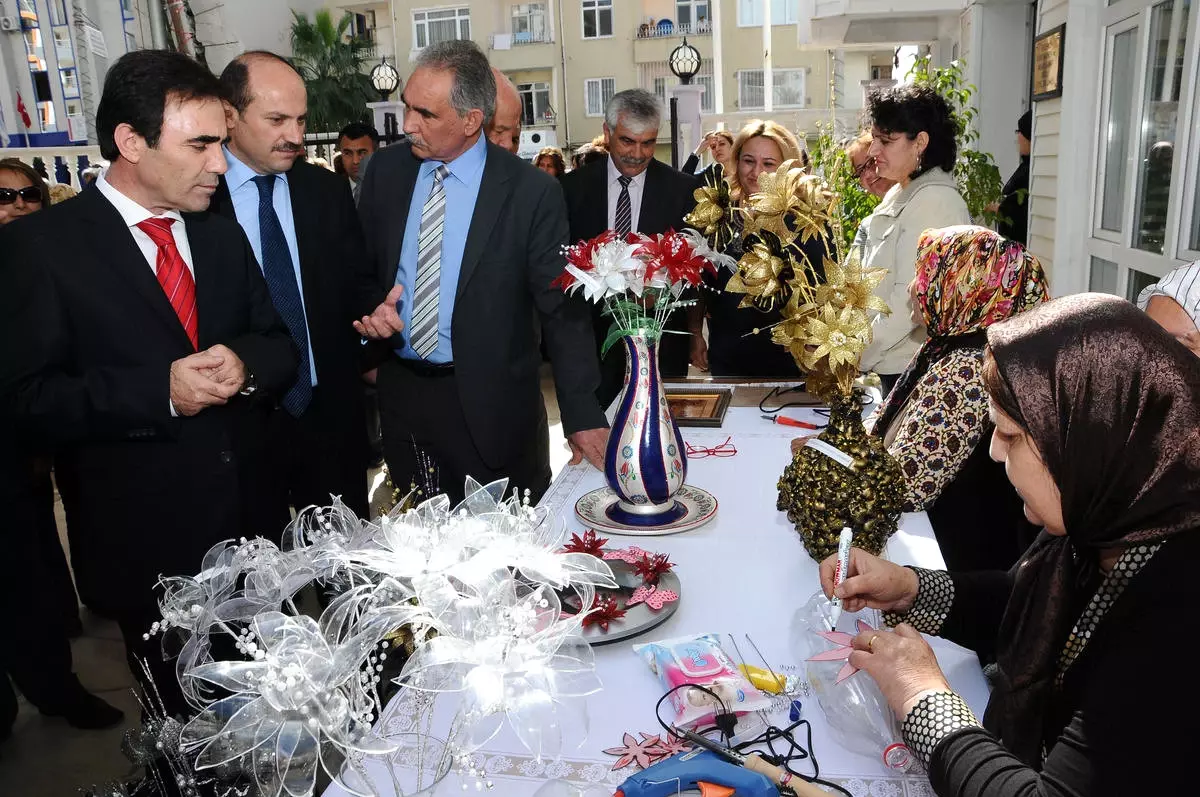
point(249, 386)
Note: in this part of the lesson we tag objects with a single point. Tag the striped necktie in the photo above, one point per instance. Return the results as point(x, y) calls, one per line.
point(173, 275)
point(424, 327)
point(623, 223)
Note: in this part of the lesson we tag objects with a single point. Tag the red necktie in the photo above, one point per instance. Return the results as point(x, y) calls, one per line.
point(173, 275)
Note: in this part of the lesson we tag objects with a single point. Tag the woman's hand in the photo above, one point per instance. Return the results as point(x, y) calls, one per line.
point(871, 581)
point(798, 443)
point(902, 663)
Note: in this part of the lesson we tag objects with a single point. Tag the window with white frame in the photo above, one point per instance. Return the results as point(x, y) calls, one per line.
point(597, 18)
point(597, 92)
point(1146, 206)
point(435, 25)
point(529, 23)
point(691, 16)
point(783, 12)
point(535, 103)
point(788, 91)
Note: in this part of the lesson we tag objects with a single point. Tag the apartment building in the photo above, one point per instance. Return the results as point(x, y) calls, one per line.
point(568, 58)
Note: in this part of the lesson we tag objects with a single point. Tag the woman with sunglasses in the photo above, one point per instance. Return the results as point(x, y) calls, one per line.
point(36, 653)
point(22, 190)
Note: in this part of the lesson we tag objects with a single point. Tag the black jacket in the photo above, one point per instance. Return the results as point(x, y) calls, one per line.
point(87, 338)
point(513, 252)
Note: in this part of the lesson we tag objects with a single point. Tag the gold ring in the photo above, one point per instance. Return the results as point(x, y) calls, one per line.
point(871, 642)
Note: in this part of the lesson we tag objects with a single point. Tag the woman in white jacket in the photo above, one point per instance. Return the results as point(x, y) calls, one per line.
point(913, 143)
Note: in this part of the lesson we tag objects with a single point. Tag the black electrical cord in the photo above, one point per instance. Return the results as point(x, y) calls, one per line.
point(795, 750)
point(780, 393)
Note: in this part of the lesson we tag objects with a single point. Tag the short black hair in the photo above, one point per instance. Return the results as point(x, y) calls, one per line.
point(235, 77)
point(911, 109)
point(138, 87)
point(357, 130)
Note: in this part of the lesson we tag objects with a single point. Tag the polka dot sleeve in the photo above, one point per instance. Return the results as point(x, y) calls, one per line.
point(935, 596)
point(932, 719)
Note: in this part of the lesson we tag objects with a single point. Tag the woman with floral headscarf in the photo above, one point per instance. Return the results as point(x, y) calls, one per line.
point(934, 422)
point(1097, 416)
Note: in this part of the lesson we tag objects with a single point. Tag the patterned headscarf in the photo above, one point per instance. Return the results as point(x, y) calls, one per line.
point(1113, 406)
point(968, 278)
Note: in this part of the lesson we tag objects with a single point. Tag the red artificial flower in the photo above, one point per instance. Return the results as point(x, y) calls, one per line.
point(604, 610)
point(640, 753)
point(651, 566)
point(672, 255)
point(588, 543)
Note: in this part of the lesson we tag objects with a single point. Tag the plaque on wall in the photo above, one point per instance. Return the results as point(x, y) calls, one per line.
point(1047, 72)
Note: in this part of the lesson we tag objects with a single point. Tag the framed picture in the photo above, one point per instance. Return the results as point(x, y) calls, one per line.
point(1047, 72)
point(699, 407)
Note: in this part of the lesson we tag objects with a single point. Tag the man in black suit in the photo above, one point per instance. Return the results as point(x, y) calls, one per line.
point(465, 239)
point(149, 354)
point(630, 191)
point(303, 228)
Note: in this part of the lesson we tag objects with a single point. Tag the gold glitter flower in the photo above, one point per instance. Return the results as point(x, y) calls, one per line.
point(713, 214)
point(762, 272)
point(850, 285)
point(792, 204)
point(840, 336)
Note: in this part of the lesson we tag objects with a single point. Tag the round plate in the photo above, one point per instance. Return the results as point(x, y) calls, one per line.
point(638, 619)
point(700, 504)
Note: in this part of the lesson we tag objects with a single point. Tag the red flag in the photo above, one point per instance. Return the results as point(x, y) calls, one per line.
point(24, 113)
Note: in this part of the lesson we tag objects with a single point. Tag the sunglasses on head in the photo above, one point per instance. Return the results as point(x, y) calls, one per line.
point(29, 194)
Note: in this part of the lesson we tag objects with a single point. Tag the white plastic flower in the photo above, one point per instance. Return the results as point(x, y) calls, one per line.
point(615, 270)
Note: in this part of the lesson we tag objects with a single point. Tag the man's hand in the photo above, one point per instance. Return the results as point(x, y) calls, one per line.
point(699, 355)
point(231, 372)
point(385, 320)
point(589, 443)
point(192, 386)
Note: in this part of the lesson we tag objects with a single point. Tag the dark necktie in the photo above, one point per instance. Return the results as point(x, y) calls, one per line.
point(623, 223)
point(285, 292)
point(173, 275)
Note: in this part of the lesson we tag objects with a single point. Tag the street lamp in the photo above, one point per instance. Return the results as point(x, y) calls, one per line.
point(685, 62)
point(386, 79)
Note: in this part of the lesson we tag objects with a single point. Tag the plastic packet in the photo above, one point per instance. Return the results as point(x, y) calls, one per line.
point(858, 715)
point(700, 661)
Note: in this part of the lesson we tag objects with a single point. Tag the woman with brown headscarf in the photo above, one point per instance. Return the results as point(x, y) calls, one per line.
point(1097, 414)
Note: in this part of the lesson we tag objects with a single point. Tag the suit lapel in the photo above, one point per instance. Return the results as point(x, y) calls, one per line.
point(221, 201)
point(121, 253)
point(493, 195)
point(399, 209)
point(306, 218)
point(206, 258)
point(599, 189)
point(650, 214)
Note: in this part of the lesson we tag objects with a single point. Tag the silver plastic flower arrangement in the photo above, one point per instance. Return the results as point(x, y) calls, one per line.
point(477, 590)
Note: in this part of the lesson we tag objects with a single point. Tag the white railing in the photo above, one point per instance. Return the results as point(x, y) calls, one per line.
point(661, 30)
point(70, 156)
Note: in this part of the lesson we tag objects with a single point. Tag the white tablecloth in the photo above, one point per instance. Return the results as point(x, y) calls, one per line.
point(745, 572)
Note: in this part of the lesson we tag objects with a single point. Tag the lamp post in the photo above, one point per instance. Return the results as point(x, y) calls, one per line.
point(386, 80)
point(685, 62)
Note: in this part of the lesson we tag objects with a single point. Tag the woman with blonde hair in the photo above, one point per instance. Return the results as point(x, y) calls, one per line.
point(733, 347)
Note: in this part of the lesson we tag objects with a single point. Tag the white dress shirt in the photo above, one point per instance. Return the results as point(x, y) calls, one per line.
point(614, 192)
point(133, 214)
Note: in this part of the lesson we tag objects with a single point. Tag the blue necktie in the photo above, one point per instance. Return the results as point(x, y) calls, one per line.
point(285, 292)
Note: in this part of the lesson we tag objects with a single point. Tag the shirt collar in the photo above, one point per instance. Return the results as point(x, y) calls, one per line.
point(614, 174)
point(466, 167)
point(238, 174)
point(131, 212)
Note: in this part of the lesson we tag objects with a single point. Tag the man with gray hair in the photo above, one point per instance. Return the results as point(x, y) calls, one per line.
point(465, 240)
point(630, 191)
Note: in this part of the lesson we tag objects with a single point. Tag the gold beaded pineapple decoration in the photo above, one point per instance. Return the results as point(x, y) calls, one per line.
point(848, 479)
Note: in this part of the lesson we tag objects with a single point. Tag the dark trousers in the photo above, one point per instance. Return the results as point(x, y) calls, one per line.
point(423, 414)
point(319, 454)
point(38, 591)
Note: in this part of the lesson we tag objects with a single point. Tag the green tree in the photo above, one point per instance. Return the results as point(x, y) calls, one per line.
point(331, 62)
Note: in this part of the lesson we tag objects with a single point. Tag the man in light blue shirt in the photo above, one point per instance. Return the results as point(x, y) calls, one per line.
point(301, 224)
point(461, 187)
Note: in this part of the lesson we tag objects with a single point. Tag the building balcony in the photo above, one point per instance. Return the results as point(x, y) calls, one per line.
point(510, 52)
point(870, 23)
point(657, 47)
point(666, 29)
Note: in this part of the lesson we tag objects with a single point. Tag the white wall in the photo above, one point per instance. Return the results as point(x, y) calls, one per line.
point(234, 27)
point(997, 56)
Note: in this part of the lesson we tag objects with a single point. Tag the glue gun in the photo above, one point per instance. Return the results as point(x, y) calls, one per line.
point(697, 769)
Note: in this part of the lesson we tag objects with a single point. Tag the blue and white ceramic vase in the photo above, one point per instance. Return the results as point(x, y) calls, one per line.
point(645, 464)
